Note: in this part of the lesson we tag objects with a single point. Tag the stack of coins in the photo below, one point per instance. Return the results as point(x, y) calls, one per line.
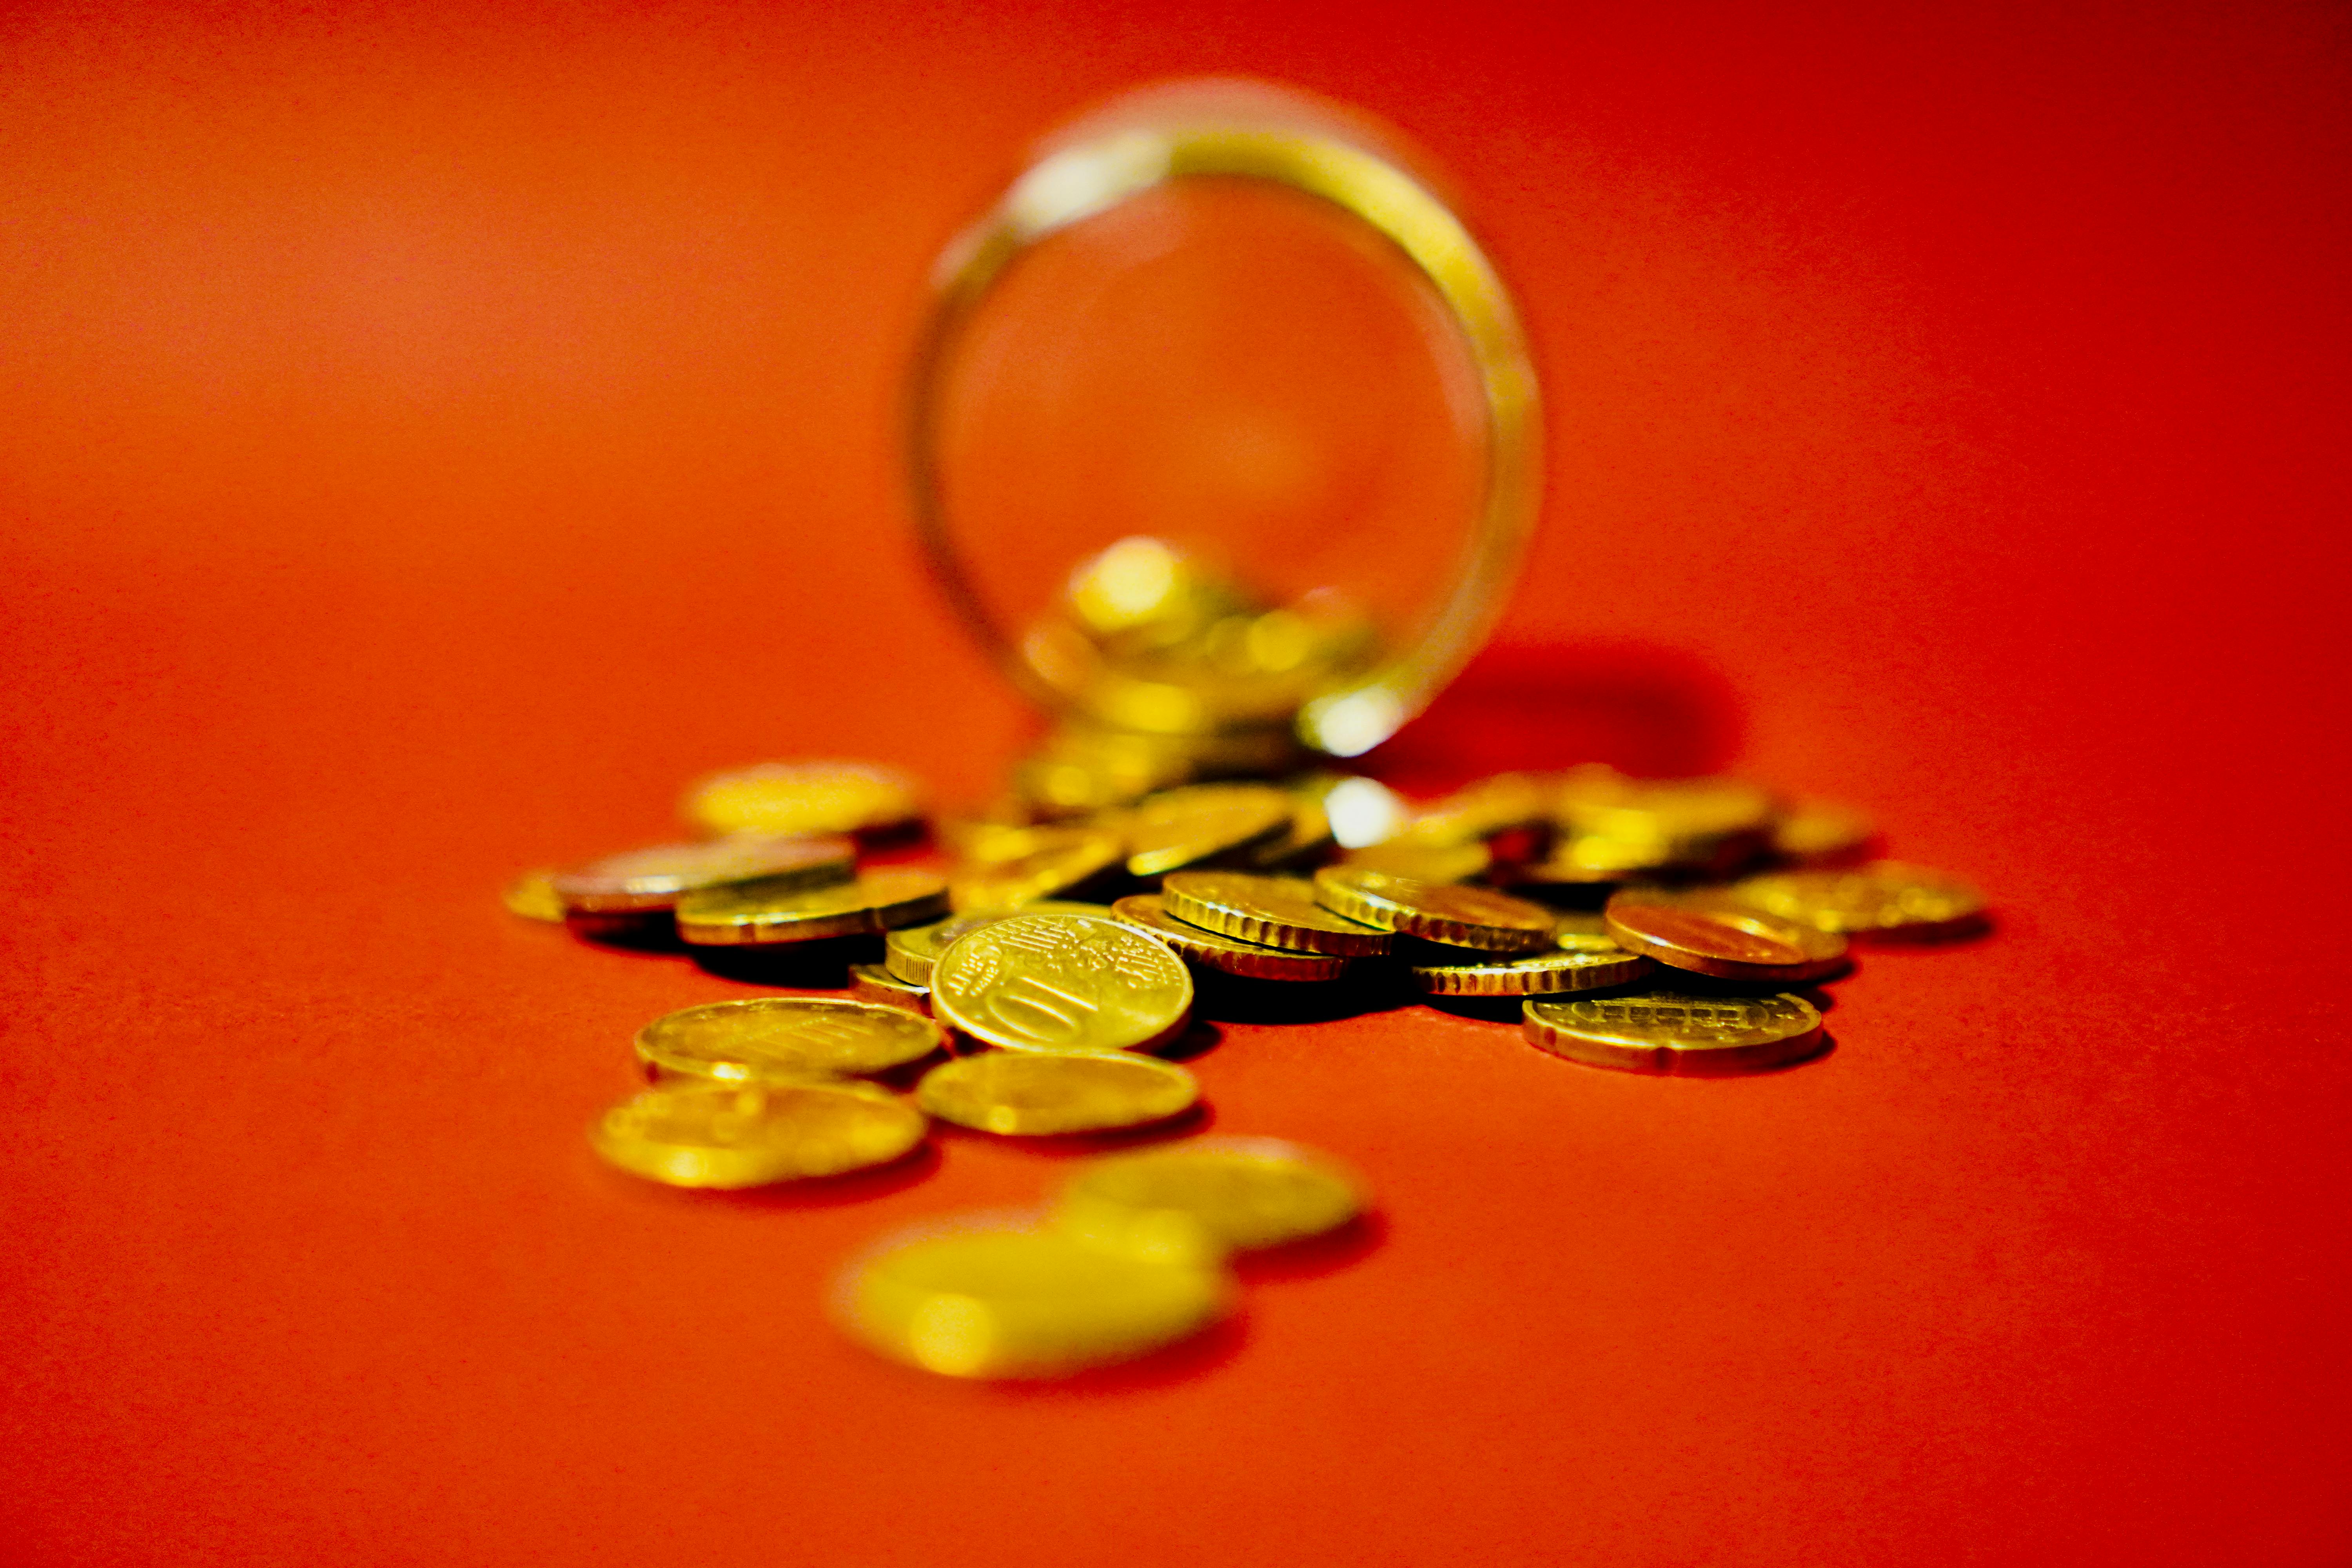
point(1027, 980)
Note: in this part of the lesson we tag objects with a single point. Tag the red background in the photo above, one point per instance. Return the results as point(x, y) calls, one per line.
point(430, 436)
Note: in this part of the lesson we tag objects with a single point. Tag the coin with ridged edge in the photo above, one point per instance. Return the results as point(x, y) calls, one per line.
point(992, 1298)
point(1030, 1094)
point(1530, 973)
point(752, 1134)
point(1148, 912)
point(1061, 983)
point(788, 1036)
point(873, 982)
point(757, 914)
point(1274, 911)
point(1436, 911)
point(647, 881)
point(1673, 1033)
point(1207, 1197)
point(1713, 932)
point(910, 952)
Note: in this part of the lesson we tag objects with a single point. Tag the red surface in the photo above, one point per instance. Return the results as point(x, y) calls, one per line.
point(428, 437)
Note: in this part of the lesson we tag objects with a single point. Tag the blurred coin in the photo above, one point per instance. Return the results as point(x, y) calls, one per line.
point(911, 952)
point(532, 896)
point(1423, 862)
point(1480, 812)
point(1583, 931)
point(1025, 1094)
point(1275, 912)
point(1207, 1197)
point(805, 797)
point(1885, 899)
point(767, 911)
point(1181, 828)
point(1308, 843)
point(648, 881)
point(1061, 983)
point(788, 1036)
point(747, 1135)
point(1589, 860)
point(1668, 1032)
point(1054, 862)
point(1528, 973)
point(1458, 916)
point(873, 982)
point(1001, 1302)
point(1711, 933)
point(1148, 912)
point(1822, 833)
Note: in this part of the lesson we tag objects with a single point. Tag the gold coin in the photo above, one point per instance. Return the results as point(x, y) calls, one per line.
point(873, 982)
point(532, 896)
point(1630, 824)
point(747, 1135)
point(804, 798)
point(1147, 913)
point(1588, 859)
point(1309, 841)
point(1531, 974)
point(1667, 1032)
point(1711, 933)
point(1058, 861)
point(647, 881)
point(1275, 912)
point(787, 1036)
point(1181, 828)
point(910, 952)
point(1207, 1197)
point(764, 912)
point(1001, 1302)
point(1423, 862)
point(1434, 911)
point(1583, 931)
point(1822, 833)
point(1061, 983)
point(1886, 899)
point(1028, 1094)
point(1484, 810)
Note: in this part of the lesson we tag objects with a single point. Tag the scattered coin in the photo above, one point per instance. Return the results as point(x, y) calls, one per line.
point(1527, 975)
point(1275, 912)
point(766, 912)
point(1485, 810)
point(1181, 828)
point(1822, 833)
point(1027, 1094)
point(1423, 862)
point(1056, 860)
point(910, 951)
point(1458, 916)
point(1713, 933)
point(766, 1037)
point(873, 982)
point(748, 1135)
point(651, 881)
point(1004, 1302)
point(1583, 931)
point(1061, 983)
point(532, 896)
point(1147, 913)
point(863, 798)
point(1886, 899)
point(1308, 843)
point(1207, 1197)
point(1668, 1032)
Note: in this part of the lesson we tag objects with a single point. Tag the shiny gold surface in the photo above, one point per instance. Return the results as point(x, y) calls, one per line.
point(1531, 974)
point(1207, 1197)
point(1479, 812)
point(1421, 862)
point(1714, 932)
point(873, 982)
point(764, 912)
point(644, 881)
point(1181, 828)
point(789, 1036)
point(1434, 911)
point(1886, 899)
point(1582, 930)
point(804, 798)
point(1822, 833)
point(1083, 179)
point(911, 952)
point(1061, 983)
point(1055, 862)
point(1612, 822)
point(533, 897)
point(1147, 913)
point(748, 1135)
point(1275, 912)
point(1025, 1094)
point(1011, 1303)
point(1669, 1032)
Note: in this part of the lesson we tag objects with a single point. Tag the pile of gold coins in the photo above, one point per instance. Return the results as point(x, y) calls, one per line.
point(1025, 971)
